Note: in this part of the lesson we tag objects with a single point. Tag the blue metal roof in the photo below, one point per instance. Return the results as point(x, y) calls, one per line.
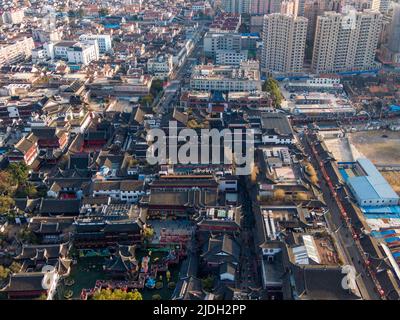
point(373, 185)
point(251, 34)
point(363, 188)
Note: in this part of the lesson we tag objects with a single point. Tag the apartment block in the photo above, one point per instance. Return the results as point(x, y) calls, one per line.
point(15, 50)
point(284, 38)
point(344, 43)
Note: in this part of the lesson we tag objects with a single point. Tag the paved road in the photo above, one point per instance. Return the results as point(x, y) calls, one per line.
point(343, 235)
point(170, 99)
point(249, 277)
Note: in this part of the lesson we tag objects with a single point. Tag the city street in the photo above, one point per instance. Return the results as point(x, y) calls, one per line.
point(343, 235)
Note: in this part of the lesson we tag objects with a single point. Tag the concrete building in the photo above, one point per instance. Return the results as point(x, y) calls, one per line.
point(392, 49)
point(43, 53)
point(266, 6)
point(343, 44)
point(16, 50)
point(259, 6)
point(380, 5)
point(284, 38)
point(246, 77)
point(315, 8)
point(214, 41)
point(160, 67)
point(103, 41)
point(236, 6)
point(229, 57)
point(46, 35)
point(81, 53)
point(290, 7)
point(276, 129)
point(13, 16)
point(76, 52)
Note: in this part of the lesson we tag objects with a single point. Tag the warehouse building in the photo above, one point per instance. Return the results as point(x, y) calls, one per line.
point(369, 187)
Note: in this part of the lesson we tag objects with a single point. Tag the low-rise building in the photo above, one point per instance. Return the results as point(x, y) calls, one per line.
point(103, 41)
point(276, 129)
point(128, 191)
point(160, 67)
point(228, 57)
point(246, 77)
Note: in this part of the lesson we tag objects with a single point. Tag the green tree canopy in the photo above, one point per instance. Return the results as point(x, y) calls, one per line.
point(156, 87)
point(6, 204)
point(4, 272)
point(19, 172)
point(107, 294)
point(6, 182)
point(271, 86)
point(208, 283)
point(26, 190)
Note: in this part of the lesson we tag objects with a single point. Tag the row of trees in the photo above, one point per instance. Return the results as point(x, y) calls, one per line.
point(279, 195)
point(312, 173)
point(155, 89)
point(108, 294)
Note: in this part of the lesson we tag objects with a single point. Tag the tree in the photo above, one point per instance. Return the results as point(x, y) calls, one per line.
point(310, 170)
point(4, 272)
point(6, 182)
point(15, 267)
point(156, 87)
point(28, 236)
point(254, 173)
point(108, 294)
point(103, 12)
point(6, 204)
point(279, 194)
point(19, 172)
point(314, 179)
point(147, 100)
point(301, 196)
point(208, 283)
point(41, 191)
point(26, 190)
point(271, 86)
